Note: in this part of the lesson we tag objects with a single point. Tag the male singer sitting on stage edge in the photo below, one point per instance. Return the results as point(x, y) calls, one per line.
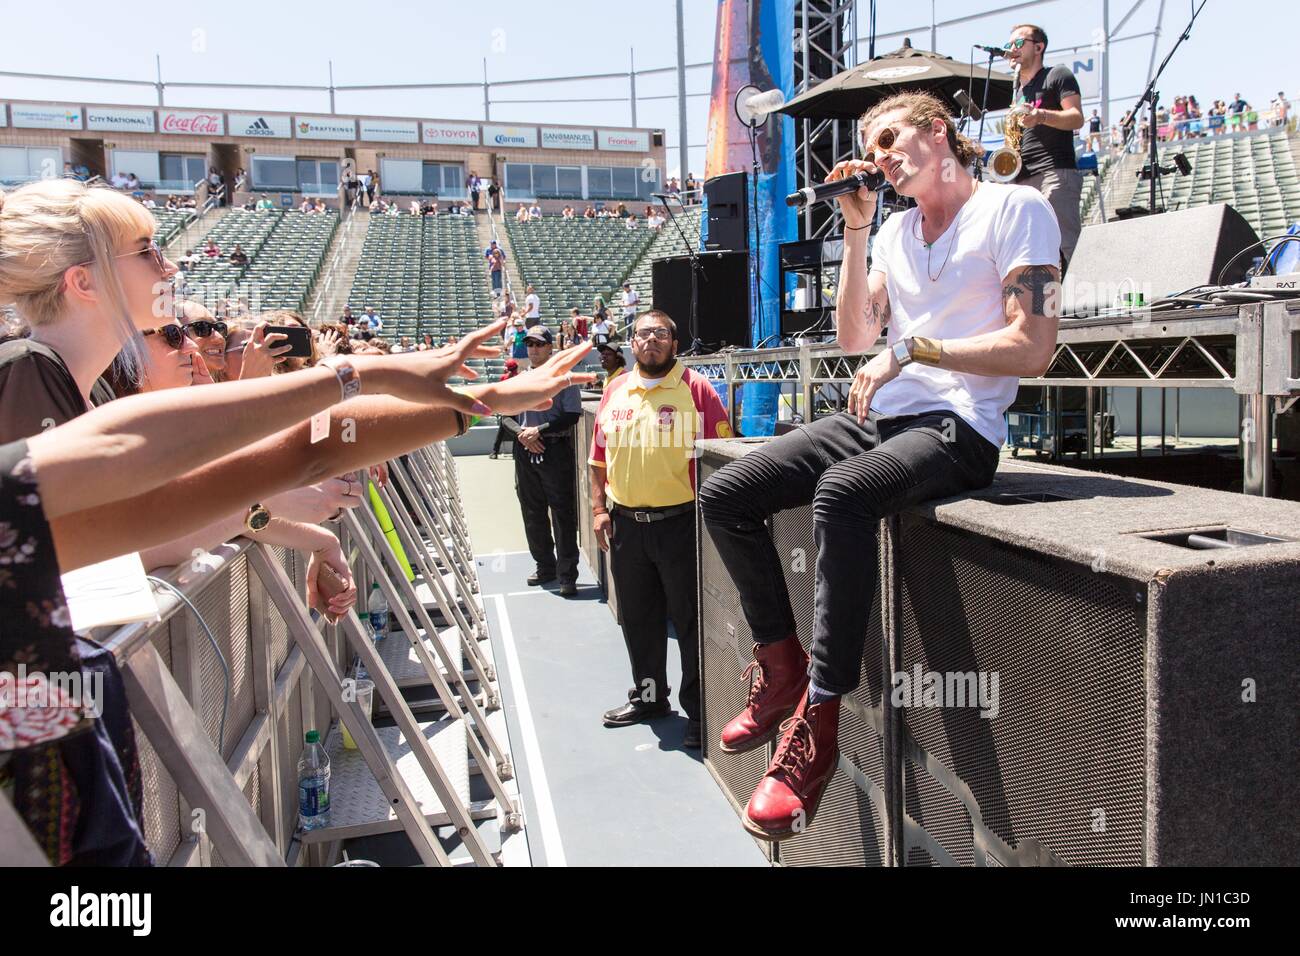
point(967, 285)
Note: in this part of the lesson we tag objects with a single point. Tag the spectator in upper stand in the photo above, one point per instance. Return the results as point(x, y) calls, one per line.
point(371, 321)
point(521, 214)
point(579, 322)
point(1281, 109)
point(306, 205)
point(238, 257)
point(518, 344)
point(216, 184)
point(487, 253)
point(692, 184)
point(622, 211)
point(393, 210)
point(475, 189)
point(534, 211)
point(565, 337)
point(630, 301)
point(264, 203)
point(212, 250)
point(532, 307)
point(567, 212)
point(347, 319)
point(187, 261)
point(1094, 132)
point(1236, 113)
point(589, 212)
point(241, 177)
point(1252, 117)
point(371, 180)
point(630, 222)
point(148, 203)
point(494, 195)
point(496, 267)
point(404, 345)
point(119, 180)
point(320, 206)
point(599, 313)
point(350, 187)
point(602, 330)
point(173, 202)
point(131, 182)
point(507, 308)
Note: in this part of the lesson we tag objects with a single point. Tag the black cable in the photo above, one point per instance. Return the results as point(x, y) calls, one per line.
point(1259, 242)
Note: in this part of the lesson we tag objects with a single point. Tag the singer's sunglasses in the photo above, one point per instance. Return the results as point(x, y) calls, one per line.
point(1015, 44)
point(173, 333)
point(202, 328)
point(885, 139)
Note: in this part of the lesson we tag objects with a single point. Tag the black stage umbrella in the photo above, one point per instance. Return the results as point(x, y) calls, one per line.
point(849, 94)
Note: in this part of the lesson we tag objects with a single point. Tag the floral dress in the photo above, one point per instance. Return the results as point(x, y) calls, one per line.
point(66, 741)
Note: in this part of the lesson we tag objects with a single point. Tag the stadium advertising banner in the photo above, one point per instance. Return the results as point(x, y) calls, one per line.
point(4, 116)
point(520, 136)
point(553, 138)
point(389, 131)
point(1085, 65)
point(46, 117)
point(261, 125)
point(437, 133)
point(118, 120)
point(631, 142)
point(189, 123)
point(324, 127)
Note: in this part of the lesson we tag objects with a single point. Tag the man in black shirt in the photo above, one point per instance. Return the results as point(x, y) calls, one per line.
point(1047, 145)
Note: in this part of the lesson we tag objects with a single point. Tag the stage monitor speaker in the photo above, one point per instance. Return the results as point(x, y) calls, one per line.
point(1134, 643)
point(727, 201)
point(657, 138)
point(849, 829)
point(1155, 255)
point(723, 297)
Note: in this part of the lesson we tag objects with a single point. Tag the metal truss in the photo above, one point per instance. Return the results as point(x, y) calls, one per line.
point(825, 43)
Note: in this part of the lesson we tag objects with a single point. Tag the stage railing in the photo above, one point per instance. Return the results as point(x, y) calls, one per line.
point(219, 738)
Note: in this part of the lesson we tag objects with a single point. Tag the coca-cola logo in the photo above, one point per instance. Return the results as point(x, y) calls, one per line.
point(198, 123)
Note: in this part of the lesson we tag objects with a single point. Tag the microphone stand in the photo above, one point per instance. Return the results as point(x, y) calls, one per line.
point(1152, 96)
point(697, 347)
point(984, 109)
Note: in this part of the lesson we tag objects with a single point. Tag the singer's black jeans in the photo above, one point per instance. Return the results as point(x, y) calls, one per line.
point(853, 475)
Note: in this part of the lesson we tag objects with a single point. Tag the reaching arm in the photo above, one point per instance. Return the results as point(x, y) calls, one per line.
point(1031, 301)
point(1069, 117)
point(137, 443)
point(362, 431)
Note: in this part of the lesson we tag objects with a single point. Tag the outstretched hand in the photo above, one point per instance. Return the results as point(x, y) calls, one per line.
point(532, 390)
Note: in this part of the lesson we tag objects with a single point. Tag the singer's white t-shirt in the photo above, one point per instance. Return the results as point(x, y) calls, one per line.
point(1000, 228)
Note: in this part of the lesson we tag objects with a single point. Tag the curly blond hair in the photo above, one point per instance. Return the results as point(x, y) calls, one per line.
point(922, 110)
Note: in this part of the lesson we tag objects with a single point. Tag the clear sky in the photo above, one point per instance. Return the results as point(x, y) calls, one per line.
point(1232, 49)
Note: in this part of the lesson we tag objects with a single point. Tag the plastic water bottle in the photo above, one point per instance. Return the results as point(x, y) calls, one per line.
point(377, 607)
point(313, 784)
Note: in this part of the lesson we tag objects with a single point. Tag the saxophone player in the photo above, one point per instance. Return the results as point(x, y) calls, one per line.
point(1050, 113)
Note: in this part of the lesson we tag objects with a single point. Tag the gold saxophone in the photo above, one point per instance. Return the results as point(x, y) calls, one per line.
point(1004, 164)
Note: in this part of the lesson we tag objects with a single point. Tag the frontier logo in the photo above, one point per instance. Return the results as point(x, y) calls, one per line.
point(78, 909)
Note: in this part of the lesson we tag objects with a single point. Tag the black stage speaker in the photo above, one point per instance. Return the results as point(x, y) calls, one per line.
point(1155, 255)
point(727, 199)
point(1143, 637)
point(723, 291)
point(849, 829)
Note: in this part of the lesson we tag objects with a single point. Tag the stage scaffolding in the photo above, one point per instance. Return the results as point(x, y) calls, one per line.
point(1250, 349)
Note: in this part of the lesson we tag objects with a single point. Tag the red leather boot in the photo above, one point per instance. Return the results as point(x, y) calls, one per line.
point(786, 799)
point(780, 682)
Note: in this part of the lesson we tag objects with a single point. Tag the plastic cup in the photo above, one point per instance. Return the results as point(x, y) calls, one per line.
point(365, 690)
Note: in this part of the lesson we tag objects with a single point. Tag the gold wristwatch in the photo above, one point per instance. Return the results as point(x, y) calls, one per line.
point(258, 518)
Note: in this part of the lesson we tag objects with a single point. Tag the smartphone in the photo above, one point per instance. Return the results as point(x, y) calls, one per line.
point(297, 337)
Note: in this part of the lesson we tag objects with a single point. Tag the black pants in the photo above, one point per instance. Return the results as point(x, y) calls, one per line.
point(853, 475)
point(653, 564)
point(503, 434)
point(548, 496)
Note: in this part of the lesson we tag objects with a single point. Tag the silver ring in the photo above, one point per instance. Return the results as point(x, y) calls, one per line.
point(568, 378)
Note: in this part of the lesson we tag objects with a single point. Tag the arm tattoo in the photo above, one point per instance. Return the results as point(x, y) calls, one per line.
point(1038, 281)
point(1038, 278)
point(879, 315)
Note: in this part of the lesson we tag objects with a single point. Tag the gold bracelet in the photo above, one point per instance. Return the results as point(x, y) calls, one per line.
point(926, 351)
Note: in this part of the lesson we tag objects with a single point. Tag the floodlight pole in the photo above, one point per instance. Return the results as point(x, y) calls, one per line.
point(681, 93)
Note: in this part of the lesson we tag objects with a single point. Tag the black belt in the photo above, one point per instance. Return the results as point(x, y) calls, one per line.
point(647, 515)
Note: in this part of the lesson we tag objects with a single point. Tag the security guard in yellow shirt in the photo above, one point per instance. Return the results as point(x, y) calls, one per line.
point(643, 484)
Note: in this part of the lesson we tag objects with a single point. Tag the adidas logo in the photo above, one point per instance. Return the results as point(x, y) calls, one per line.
point(260, 128)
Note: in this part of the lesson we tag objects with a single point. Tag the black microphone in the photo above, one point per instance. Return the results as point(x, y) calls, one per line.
point(825, 191)
point(995, 50)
